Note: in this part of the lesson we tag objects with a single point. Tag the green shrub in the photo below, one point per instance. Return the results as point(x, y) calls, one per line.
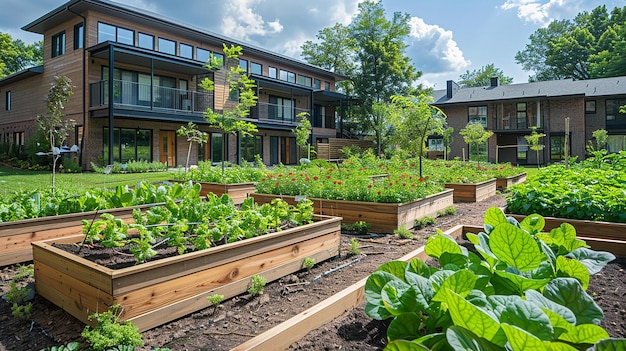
point(424, 221)
point(257, 283)
point(404, 233)
point(109, 333)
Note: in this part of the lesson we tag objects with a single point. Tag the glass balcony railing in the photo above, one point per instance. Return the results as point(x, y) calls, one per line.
point(276, 112)
point(143, 96)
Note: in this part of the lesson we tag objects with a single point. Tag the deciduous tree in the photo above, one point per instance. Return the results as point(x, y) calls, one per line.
point(475, 134)
point(482, 77)
point(15, 55)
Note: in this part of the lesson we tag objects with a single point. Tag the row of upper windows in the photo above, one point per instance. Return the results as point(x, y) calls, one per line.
point(108, 32)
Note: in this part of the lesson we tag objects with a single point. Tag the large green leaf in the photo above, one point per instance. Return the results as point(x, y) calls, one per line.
point(610, 345)
point(568, 292)
point(461, 282)
point(515, 247)
point(462, 339)
point(593, 260)
point(565, 237)
point(405, 326)
point(473, 318)
point(521, 340)
point(524, 314)
point(514, 283)
point(405, 345)
point(558, 346)
point(396, 268)
point(494, 217)
point(424, 290)
point(584, 334)
point(567, 267)
point(533, 223)
point(541, 301)
point(438, 244)
point(418, 266)
point(374, 286)
point(399, 297)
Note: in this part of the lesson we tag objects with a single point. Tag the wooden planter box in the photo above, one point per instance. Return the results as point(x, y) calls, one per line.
point(383, 217)
point(237, 191)
point(159, 291)
point(599, 235)
point(473, 192)
point(503, 183)
point(16, 236)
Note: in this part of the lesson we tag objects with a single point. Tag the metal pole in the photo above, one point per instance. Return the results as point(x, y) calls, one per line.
point(566, 142)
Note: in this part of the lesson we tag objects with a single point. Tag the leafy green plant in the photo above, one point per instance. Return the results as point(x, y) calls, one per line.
point(524, 289)
point(24, 272)
point(354, 247)
point(404, 233)
point(359, 227)
point(215, 299)
point(308, 263)
point(425, 221)
point(448, 211)
point(71, 346)
point(108, 332)
point(19, 296)
point(257, 283)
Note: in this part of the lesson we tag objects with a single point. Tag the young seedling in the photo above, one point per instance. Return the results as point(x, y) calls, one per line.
point(215, 300)
point(354, 247)
point(257, 283)
point(424, 221)
point(403, 233)
point(308, 263)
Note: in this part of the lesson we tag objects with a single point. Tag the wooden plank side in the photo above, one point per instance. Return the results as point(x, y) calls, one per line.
point(135, 277)
point(596, 229)
point(473, 192)
point(88, 272)
point(293, 329)
point(146, 299)
point(72, 295)
point(189, 305)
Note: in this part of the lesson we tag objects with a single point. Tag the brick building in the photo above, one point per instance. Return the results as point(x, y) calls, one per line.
point(156, 65)
point(510, 111)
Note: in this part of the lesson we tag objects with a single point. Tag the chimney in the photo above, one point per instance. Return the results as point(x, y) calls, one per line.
point(495, 82)
point(451, 88)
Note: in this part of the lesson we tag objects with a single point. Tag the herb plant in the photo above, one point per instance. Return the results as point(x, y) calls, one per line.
point(257, 283)
point(523, 289)
point(404, 233)
point(108, 332)
point(354, 247)
point(215, 300)
point(308, 263)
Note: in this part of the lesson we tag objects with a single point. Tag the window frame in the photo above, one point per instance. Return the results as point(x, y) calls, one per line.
point(317, 84)
point(165, 40)
point(305, 80)
point(58, 44)
point(256, 68)
point(478, 116)
point(208, 54)
point(116, 33)
point(590, 106)
point(7, 105)
point(180, 50)
point(243, 64)
point(79, 35)
point(145, 35)
point(271, 70)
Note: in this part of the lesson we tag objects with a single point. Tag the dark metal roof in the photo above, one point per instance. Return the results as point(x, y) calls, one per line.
point(548, 89)
point(29, 72)
point(65, 13)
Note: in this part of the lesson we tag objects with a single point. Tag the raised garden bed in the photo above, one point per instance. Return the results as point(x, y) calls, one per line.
point(503, 183)
point(383, 217)
point(16, 236)
point(236, 191)
point(473, 192)
point(160, 291)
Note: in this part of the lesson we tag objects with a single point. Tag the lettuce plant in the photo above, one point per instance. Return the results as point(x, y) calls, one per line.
point(515, 288)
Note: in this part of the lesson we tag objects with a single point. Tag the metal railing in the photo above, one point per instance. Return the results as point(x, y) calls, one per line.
point(144, 96)
point(276, 112)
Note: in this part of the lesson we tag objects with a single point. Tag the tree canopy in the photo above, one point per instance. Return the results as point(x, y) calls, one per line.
point(482, 77)
point(370, 51)
point(592, 45)
point(16, 56)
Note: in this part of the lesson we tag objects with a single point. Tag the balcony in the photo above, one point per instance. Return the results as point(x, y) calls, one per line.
point(276, 113)
point(145, 97)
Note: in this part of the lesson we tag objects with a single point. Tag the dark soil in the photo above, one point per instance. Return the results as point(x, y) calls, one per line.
point(238, 319)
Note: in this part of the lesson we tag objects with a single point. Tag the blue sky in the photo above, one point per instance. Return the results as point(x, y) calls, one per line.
point(448, 37)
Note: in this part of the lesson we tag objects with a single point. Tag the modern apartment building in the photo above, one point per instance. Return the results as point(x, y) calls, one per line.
point(136, 76)
point(510, 111)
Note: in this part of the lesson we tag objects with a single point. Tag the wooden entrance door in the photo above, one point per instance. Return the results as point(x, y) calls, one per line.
point(167, 147)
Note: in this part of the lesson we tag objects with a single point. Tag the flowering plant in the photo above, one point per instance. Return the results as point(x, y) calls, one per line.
point(458, 172)
point(206, 172)
point(502, 170)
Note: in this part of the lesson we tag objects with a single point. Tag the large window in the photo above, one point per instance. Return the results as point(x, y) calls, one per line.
point(327, 86)
point(250, 145)
point(477, 114)
point(281, 108)
point(128, 144)
point(216, 147)
point(319, 116)
point(272, 72)
point(58, 44)
point(243, 64)
point(7, 106)
point(614, 118)
point(521, 115)
point(203, 55)
point(108, 32)
point(557, 148)
point(616, 143)
point(522, 150)
point(79, 35)
point(186, 51)
point(287, 76)
point(256, 68)
point(167, 46)
point(317, 84)
point(304, 80)
point(146, 41)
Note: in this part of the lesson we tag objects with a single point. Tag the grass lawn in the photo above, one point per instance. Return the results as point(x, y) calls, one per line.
point(12, 180)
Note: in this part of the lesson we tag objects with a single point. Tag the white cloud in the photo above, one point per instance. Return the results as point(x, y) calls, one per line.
point(434, 48)
point(542, 12)
point(242, 22)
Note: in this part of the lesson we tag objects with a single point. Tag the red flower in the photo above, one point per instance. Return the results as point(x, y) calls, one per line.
point(379, 193)
point(330, 169)
point(328, 177)
point(334, 181)
point(361, 169)
point(307, 178)
point(339, 182)
point(369, 186)
point(280, 175)
point(421, 179)
point(315, 178)
point(426, 177)
point(263, 178)
point(403, 184)
point(412, 164)
point(290, 173)
point(347, 170)
point(293, 179)
point(390, 183)
point(351, 162)
point(277, 183)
